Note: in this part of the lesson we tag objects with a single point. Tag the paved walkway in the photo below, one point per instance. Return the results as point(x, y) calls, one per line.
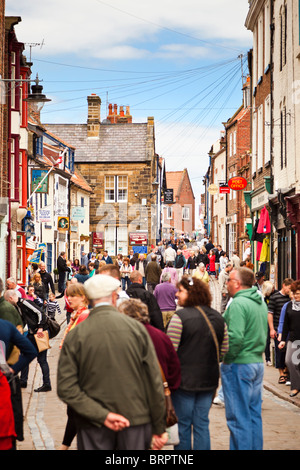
point(45, 415)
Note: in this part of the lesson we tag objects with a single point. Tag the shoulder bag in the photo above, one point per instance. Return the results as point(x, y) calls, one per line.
point(171, 418)
point(53, 326)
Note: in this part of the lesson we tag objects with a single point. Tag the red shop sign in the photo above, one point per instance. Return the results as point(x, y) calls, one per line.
point(237, 183)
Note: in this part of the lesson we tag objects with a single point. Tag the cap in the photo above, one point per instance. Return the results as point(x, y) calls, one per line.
point(100, 285)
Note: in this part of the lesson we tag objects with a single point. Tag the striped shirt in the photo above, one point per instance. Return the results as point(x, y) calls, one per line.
point(52, 306)
point(276, 302)
point(175, 330)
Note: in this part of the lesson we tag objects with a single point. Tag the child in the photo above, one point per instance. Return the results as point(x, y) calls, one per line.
point(52, 306)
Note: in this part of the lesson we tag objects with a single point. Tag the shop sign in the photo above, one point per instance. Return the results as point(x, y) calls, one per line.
point(237, 183)
point(138, 238)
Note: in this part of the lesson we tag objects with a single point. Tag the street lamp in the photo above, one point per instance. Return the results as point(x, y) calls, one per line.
point(36, 98)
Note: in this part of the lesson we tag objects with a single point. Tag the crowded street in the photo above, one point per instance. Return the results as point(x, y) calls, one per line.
point(45, 414)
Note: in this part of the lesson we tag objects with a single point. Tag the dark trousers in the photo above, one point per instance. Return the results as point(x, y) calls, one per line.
point(132, 438)
point(42, 360)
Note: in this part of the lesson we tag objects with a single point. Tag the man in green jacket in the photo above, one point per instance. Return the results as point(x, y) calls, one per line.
point(109, 375)
point(243, 368)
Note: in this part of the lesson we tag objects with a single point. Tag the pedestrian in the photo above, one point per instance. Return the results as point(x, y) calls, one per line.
point(235, 259)
point(179, 264)
point(114, 271)
point(218, 250)
point(201, 273)
point(223, 279)
point(259, 280)
point(91, 269)
point(172, 271)
point(164, 348)
point(82, 275)
point(211, 266)
point(137, 290)
point(8, 311)
point(291, 337)
point(36, 321)
point(84, 259)
point(223, 260)
point(75, 266)
point(165, 294)
point(52, 306)
point(125, 270)
point(192, 263)
point(169, 255)
point(46, 279)
point(108, 395)
point(11, 284)
point(198, 334)
point(79, 303)
point(141, 265)
point(11, 416)
point(39, 288)
point(62, 268)
point(152, 274)
point(267, 290)
point(107, 258)
point(242, 370)
point(276, 302)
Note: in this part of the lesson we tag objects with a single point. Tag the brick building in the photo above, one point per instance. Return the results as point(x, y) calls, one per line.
point(117, 158)
point(238, 145)
point(179, 215)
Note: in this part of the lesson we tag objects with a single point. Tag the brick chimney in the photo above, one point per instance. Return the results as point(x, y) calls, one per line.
point(122, 117)
point(93, 121)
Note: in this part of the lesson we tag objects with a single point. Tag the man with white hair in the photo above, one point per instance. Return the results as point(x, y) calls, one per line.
point(108, 374)
point(11, 284)
point(165, 296)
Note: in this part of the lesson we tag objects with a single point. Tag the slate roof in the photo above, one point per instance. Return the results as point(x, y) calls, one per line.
point(116, 142)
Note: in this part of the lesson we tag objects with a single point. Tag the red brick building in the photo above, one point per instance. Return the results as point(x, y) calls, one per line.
point(179, 215)
point(238, 140)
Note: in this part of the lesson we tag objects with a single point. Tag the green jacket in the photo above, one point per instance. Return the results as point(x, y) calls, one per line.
point(10, 313)
point(108, 364)
point(247, 319)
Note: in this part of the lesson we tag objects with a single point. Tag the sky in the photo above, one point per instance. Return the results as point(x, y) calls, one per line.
point(181, 62)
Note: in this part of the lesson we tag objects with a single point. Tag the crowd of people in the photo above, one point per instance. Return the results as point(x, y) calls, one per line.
point(146, 320)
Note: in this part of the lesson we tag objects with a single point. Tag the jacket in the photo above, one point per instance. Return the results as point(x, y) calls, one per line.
point(138, 291)
point(10, 313)
point(223, 277)
point(153, 272)
point(32, 315)
point(247, 319)
point(180, 261)
point(47, 280)
point(108, 364)
point(197, 350)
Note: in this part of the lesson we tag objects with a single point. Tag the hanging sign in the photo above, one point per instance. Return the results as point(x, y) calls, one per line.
point(237, 183)
point(213, 189)
point(224, 189)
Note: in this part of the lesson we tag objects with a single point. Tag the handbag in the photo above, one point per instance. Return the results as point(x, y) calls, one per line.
point(53, 326)
point(42, 343)
point(171, 417)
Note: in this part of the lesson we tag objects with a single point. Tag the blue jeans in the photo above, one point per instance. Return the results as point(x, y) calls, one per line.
point(192, 409)
point(242, 388)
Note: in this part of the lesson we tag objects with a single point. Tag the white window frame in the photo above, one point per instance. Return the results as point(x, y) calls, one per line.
point(185, 213)
point(113, 185)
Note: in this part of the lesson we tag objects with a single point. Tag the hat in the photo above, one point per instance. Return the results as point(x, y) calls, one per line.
point(100, 285)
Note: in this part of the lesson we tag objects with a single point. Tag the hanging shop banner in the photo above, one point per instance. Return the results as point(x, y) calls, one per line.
point(36, 256)
point(45, 215)
point(237, 183)
point(213, 189)
point(224, 189)
point(36, 178)
point(63, 224)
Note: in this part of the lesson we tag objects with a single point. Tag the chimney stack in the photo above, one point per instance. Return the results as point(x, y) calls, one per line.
point(93, 121)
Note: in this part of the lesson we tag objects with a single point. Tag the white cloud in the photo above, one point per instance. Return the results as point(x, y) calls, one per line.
point(120, 30)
